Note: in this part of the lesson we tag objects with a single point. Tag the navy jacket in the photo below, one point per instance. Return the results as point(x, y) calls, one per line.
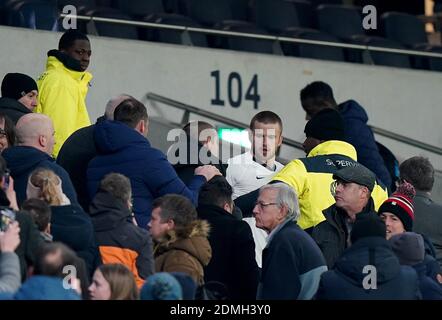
point(359, 134)
point(292, 265)
point(72, 226)
point(123, 150)
point(430, 289)
point(22, 161)
point(345, 281)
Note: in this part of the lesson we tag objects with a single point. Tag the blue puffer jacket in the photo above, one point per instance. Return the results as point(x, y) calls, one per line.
point(122, 149)
point(346, 280)
point(22, 161)
point(359, 134)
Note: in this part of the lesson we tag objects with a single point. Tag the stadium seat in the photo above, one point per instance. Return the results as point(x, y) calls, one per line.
point(32, 14)
point(243, 44)
point(404, 28)
point(209, 13)
point(309, 50)
point(140, 8)
point(172, 36)
point(275, 15)
point(341, 21)
point(110, 29)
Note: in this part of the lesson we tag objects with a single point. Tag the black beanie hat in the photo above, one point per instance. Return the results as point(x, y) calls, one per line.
point(368, 225)
point(17, 85)
point(326, 125)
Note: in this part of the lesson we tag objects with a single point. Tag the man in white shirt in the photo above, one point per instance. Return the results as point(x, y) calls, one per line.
point(251, 170)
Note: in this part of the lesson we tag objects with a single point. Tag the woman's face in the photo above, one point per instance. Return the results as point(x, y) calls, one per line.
point(3, 138)
point(393, 223)
point(99, 289)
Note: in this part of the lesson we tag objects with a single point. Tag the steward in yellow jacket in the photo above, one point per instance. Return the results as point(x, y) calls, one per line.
point(311, 177)
point(64, 85)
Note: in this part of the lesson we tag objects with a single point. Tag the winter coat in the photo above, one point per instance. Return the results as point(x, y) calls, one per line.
point(311, 178)
point(360, 136)
point(119, 240)
point(332, 234)
point(185, 169)
point(13, 109)
point(292, 265)
point(431, 289)
point(123, 150)
point(189, 255)
point(428, 221)
point(72, 226)
point(74, 157)
point(350, 279)
point(233, 253)
point(62, 97)
point(23, 160)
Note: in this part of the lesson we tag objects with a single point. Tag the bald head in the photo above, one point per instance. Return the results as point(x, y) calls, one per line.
point(113, 103)
point(36, 130)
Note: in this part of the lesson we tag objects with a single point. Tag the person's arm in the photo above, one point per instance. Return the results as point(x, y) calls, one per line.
point(10, 278)
point(60, 103)
point(145, 260)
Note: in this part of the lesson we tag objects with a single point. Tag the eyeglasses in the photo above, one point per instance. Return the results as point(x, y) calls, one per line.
point(262, 205)
point(335, 184)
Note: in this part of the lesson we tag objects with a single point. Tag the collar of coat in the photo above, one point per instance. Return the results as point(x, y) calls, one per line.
point(334, 147)
point(197, 228)
point(60, 60)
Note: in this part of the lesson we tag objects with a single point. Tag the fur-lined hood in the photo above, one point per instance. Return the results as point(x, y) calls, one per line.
point(196, 243)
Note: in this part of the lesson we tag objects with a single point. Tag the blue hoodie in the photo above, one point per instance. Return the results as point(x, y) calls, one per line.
point(22, 161)
point(359, 134)
point(122, 149)
point(45, 288)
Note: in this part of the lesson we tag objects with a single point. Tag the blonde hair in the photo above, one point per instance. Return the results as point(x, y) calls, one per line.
point(121, 281)
point(49, 185)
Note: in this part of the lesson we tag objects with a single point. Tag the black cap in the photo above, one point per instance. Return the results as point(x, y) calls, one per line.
point(368, 225)
point(17, 85)
point(357, 174)
point(326, 125)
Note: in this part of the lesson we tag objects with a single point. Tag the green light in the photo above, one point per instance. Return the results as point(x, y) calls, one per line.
point(235, 135)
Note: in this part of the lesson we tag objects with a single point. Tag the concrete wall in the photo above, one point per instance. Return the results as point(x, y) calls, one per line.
point(407, 102)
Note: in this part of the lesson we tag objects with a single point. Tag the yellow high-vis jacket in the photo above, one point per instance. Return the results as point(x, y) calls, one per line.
point(311, 178)
point(61, 96)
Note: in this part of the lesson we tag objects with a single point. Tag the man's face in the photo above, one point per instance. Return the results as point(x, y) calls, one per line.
point(29, 100)
point(158, 229)
point(348, 195)
point(268, 214)
point(309, 144)
point(266, 138)
point(393, 224)
point(81, 51)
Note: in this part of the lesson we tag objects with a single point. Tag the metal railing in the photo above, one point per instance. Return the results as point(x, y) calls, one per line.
point(213, 116)
point(292, 143)
point(93, 19)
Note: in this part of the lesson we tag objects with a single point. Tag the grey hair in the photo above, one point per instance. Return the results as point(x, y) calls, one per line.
point(113, 103)
point(286, 197)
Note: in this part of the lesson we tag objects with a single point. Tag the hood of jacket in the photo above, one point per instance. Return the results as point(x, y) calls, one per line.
point(72, 224)
point(114, 136)
point(106, 212)
point(22, 159)
point(334, 147)
point(11, 104)
point(45, 288)
point(375, 251)
point(352, 109)
point(197, 244)
point(60, 61)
